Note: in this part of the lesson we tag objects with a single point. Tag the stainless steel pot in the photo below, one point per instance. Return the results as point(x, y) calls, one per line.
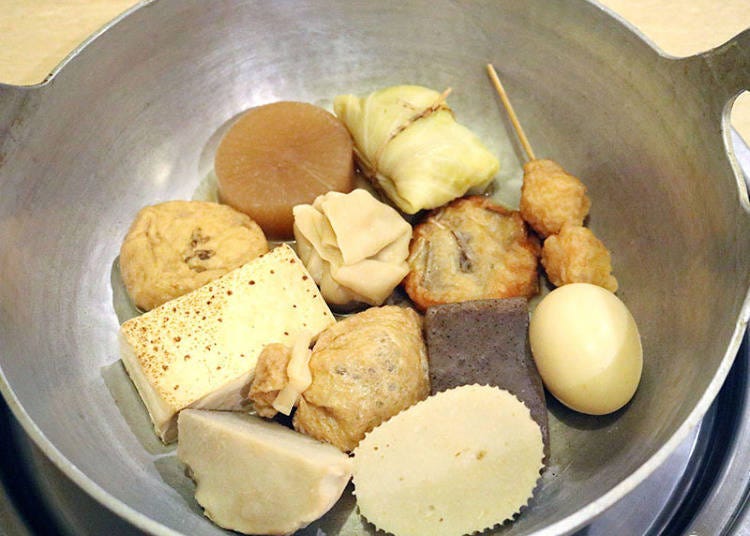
point(133, 117)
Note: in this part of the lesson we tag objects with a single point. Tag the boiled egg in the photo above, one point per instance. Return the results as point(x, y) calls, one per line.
point(587, 348)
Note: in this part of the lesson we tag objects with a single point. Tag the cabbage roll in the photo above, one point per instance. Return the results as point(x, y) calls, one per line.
point(410, 145)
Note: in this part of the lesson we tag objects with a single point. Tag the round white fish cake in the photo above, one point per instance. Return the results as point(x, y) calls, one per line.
point(458, 462)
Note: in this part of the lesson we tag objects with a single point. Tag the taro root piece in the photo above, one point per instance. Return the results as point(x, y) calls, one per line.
point(259, 477)
point(409, 144)
point(175, 247)
point(551, 197)
point(485, 341)
point(471, 249)
point(354, 246)
point(576, 255)
point(460, 462)
point(280, 155)
point(365, 369)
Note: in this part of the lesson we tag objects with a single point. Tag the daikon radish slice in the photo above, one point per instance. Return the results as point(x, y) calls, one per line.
point(279, 155)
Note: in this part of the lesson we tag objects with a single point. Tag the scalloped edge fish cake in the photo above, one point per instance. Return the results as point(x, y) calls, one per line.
point(459, 462)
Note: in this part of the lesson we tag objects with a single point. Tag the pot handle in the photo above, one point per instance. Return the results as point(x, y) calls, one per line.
point(722, 74)
point(727, 66)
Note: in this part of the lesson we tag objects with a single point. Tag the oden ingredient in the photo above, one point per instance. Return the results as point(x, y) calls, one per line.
point(178, 246)
point(576, 255)
point(259, 477)
point(551, 197)
point(365, 369)
point(280, 155)
point(457, 463)
point(471, 249)
point(586, 345)
point(200, 349)
point(410, 145)
point(485, 341)
point(353, 245)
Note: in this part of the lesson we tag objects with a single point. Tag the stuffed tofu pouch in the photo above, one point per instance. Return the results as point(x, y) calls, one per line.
point(410, 145)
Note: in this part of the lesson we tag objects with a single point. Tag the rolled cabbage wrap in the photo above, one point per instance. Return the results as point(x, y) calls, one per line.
point(409, 144)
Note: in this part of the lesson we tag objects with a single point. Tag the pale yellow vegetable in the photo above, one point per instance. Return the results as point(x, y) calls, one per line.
point(408, 142)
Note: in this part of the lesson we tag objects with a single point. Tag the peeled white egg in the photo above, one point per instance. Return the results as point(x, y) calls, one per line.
point(587, 348)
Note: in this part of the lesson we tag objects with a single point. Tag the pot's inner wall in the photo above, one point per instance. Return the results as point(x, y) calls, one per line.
point(127, 124)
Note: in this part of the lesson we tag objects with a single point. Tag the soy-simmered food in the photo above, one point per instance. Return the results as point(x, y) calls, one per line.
point(365, 369)
point(471, 249)
point(261, 338)
point(259, 477)
point(576, 255)
point(551, 197)
point(409, 144)
point(353, 245)
point(279, 155)
point(485, 341)
point(457, 463)
point(178, 246)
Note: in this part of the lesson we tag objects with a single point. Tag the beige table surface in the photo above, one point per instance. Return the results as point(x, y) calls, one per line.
point(36, 34)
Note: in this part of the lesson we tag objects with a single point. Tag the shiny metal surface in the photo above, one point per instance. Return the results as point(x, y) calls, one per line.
point(131, 120)
point(666, 503)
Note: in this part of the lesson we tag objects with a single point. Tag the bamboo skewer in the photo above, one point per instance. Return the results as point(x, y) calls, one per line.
point(511, 114)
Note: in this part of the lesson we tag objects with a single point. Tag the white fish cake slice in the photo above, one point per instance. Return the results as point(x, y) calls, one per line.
point(256, 476)
point(459, 462)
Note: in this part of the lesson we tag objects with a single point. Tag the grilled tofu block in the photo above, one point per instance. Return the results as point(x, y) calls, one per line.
point(200, 350)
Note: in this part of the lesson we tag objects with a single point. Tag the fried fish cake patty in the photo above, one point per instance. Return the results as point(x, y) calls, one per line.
point(178, 246)
point(576, 255)
point(365, 369)
point(471, 249)
point(551, 197)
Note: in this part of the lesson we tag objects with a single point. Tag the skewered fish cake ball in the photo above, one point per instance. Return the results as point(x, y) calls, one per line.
point(551, 197)
point(576, 255)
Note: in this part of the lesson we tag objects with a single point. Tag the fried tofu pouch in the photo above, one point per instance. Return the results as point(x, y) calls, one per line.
point(471, 249)
point(175, 247)
point(270, 378)
point(365, 369)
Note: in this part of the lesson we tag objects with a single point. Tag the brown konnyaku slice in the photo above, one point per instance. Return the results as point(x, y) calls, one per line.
point(485, 341)
point(280, 155)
